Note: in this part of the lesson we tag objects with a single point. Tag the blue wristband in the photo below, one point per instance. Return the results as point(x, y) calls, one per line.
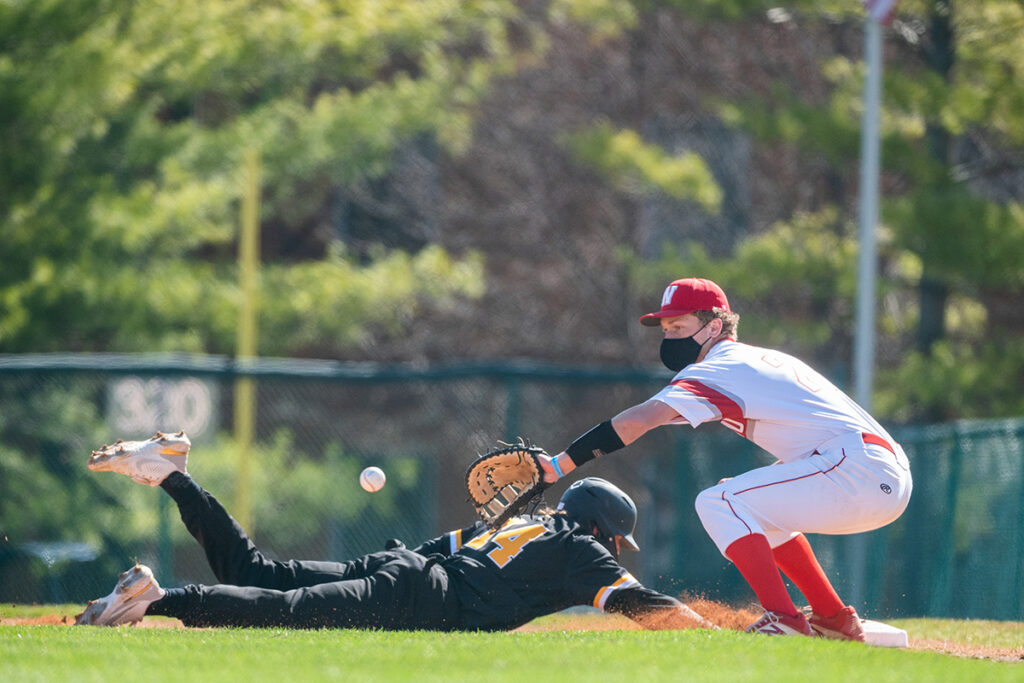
point(556, 467)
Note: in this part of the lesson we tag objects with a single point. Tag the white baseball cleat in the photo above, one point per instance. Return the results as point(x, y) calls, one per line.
point(136, 589)
point(778, 624)
point(147, 462)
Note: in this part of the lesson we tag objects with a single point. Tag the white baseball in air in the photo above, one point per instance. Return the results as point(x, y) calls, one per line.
point(372, 479)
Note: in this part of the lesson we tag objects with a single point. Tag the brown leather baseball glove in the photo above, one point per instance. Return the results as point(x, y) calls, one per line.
point(505, 480)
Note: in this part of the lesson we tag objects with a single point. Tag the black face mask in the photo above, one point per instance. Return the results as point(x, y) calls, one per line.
point(676, 354)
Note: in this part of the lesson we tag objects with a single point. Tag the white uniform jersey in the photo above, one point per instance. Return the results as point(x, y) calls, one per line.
point(769, 397)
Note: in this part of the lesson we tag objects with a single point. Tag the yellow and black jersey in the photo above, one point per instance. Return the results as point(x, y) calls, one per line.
point(532, 566)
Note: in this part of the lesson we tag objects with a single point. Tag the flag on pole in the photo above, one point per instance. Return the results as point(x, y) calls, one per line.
point(880, 10)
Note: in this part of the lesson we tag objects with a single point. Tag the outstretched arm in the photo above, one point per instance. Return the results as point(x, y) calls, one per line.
point(449, 543)
point(655, 611)
point(611, 435)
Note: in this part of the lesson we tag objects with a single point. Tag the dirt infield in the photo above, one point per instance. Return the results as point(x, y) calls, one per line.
point(69, 620)
point(724, 616)
point(47, 620)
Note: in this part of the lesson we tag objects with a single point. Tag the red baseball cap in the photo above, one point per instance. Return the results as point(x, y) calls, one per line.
point(686, 296)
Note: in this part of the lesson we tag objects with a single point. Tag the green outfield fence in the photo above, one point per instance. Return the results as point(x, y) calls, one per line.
point(65, 532)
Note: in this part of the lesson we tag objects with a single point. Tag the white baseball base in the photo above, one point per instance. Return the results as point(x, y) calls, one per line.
point(883, 635)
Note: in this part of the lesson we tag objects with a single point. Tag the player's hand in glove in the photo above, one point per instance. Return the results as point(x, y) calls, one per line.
point(505, 480)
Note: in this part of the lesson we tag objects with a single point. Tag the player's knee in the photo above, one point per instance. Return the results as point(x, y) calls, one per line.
point(718, 514)
point(709, 502)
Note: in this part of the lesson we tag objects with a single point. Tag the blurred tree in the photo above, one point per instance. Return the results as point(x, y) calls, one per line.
point(954, 216)
point(960, 108)
point(637, 167)
point(123, 125)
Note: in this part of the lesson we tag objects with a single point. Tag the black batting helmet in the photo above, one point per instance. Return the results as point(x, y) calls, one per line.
point(595, 502)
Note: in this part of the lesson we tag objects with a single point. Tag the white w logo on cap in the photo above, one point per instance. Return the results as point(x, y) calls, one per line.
point(666, 298)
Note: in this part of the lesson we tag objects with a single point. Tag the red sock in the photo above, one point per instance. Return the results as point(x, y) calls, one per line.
point(753, 557)
point(797, 560)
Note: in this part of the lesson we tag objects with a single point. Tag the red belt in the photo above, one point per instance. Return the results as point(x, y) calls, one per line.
point(877, 441)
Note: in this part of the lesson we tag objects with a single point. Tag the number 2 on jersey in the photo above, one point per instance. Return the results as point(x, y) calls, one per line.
point(510, 542)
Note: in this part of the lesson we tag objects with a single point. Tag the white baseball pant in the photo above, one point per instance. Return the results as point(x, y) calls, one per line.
point(850, 484)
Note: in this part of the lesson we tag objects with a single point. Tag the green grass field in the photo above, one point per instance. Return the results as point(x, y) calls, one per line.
point(52, 653)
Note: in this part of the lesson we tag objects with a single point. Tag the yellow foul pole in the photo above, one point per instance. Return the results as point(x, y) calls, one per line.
point(245, 387)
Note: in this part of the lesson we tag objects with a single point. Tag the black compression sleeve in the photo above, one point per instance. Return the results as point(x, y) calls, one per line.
point(600, 440)
point(633, 602)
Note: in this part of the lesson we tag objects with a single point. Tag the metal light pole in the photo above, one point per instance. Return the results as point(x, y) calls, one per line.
point(867, 266)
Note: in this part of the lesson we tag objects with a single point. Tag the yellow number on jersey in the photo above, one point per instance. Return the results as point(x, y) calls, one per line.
point(509, 541)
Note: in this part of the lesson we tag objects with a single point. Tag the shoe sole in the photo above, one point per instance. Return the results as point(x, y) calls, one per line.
point(835, 635)
point(783, 631)
point(109, 458)
point(772, 624)
point(111, 462)
point(129, 587)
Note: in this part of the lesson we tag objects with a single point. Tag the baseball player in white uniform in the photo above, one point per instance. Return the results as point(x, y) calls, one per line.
point(837, 471)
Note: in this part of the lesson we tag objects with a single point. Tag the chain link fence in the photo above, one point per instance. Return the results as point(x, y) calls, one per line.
point(66, 532)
